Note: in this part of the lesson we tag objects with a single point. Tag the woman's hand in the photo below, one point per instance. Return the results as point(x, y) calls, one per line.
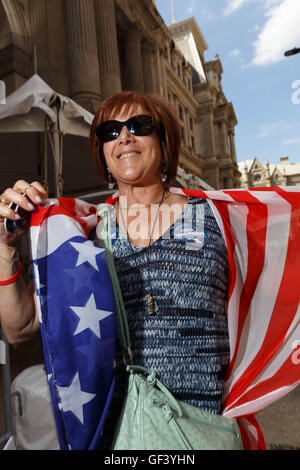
point(35, 194)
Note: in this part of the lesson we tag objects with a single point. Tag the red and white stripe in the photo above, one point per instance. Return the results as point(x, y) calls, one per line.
point(261, 230)
point(81, 218)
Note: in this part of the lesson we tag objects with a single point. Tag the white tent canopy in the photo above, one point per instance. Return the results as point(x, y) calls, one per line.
point(35, 107)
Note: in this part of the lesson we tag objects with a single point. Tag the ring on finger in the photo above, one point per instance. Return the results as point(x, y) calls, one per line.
point(27, 187)
point(2, 200)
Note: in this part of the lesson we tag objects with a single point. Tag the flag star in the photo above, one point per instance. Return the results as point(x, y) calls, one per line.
point(87, 253)
point(73, 398)
point(77, 280)
point(90, 317)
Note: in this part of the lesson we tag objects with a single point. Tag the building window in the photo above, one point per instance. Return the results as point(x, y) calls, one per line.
point(193, 142)
point(257, 177)
point(191, 124)
point(182, 133)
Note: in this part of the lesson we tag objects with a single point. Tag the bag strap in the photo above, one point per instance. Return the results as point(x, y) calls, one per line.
point(153, 380)
point(104, 240)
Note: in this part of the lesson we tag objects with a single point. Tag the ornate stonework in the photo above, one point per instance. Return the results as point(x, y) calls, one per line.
point(255, 174)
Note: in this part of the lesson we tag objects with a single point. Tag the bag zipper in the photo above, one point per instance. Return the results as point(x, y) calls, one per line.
point(175, 428)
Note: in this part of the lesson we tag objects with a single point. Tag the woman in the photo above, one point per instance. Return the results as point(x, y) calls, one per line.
point(169, 254)
point(186, 341)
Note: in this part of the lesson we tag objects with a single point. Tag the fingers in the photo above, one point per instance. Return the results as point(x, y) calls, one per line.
point(5, 211)
point(34, 191)
point(35, 194)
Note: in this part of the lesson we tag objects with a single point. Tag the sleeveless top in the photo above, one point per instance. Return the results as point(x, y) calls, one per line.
point(186, 342)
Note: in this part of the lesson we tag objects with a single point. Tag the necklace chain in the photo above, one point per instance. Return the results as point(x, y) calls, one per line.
point(151, 302)
point(142, 204)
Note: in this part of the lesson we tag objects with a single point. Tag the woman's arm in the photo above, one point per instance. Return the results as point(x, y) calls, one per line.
point(18, 312)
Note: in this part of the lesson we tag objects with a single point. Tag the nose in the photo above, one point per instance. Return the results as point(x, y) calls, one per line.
point(125, 136)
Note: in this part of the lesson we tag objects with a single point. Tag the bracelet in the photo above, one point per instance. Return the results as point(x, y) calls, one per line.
point(13, 278)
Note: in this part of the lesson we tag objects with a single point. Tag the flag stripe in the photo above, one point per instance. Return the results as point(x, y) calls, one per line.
point(265, 393)
point(256, 236)
point(280, 320)
point(267, 287)
point(284, 352)
point(251, 433)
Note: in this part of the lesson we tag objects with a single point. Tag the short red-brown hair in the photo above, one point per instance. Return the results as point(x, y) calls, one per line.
point(161, 112)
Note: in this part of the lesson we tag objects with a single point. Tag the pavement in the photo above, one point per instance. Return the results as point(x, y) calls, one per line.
point(280, 422)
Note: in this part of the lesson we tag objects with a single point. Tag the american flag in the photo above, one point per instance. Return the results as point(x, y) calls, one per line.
point(77, 319)
point(261, 228)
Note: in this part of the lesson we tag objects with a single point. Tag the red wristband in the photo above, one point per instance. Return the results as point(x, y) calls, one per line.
point(13, 278)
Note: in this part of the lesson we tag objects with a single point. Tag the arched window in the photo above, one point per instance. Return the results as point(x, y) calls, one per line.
point(257, 177)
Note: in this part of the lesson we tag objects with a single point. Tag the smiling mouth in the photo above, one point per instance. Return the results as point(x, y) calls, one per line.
point(128, 155)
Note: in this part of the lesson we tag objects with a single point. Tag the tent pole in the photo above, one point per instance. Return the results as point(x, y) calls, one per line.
point(45, 182)
point(56, 143)
point(57, 157)
point(35, 59)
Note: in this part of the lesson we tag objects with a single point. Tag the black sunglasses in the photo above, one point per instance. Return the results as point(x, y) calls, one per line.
point(139, 125)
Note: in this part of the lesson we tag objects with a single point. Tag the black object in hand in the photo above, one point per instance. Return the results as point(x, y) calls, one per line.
point(13, 226)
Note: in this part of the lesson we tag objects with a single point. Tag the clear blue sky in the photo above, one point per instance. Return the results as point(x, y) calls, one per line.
point(251, 37)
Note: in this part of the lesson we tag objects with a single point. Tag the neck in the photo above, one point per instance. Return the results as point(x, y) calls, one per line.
point(141, 194)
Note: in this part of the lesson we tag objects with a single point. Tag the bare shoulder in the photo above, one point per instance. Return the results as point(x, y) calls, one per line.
point(178, 199)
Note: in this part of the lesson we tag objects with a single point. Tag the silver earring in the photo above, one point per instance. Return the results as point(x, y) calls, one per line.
point(164, 175)
point(164, 168)
point(111, 184)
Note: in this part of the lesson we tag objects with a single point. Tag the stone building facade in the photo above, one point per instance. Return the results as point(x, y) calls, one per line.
point(255, 174)
point(90, 49)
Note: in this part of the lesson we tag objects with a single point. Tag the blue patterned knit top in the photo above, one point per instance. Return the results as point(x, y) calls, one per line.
point(187, 341)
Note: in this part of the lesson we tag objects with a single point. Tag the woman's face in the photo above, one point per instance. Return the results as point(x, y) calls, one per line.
point(134, 160)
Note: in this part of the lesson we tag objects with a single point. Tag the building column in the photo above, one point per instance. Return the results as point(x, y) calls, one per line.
point(230, 177)
point(84, 78)
point(268, 174)
point(15, 50)
point(225, 149)
point(108, 47)
point(232, 145)
point(148, 67)
point(133, 64)
point(47, 30)
point(208, 147)
point(156, 73)
point(246, 176)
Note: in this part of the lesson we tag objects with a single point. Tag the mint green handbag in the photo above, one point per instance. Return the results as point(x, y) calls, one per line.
point(152, 418)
